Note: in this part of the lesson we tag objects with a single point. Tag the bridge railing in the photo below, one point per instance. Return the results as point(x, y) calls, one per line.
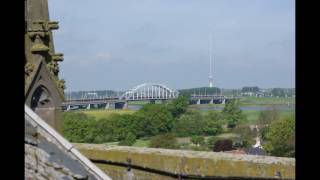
point(92, 99)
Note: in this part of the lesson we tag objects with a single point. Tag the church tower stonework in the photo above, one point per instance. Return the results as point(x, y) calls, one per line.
point(44, 91)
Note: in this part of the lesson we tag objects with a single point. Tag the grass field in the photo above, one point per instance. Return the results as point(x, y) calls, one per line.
point(180, 140)
point(227, 135)
point(138, 143)
point(98, 114)
point(252, 116)
point(141, 143)
point(265, 101)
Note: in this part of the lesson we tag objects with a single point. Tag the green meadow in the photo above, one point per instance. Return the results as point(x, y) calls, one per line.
point(105, 113)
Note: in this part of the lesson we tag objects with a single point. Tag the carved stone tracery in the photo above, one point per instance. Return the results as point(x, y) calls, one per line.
point(44, 90)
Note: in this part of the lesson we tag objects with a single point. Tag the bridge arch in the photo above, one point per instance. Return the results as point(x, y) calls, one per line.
point(149, 91)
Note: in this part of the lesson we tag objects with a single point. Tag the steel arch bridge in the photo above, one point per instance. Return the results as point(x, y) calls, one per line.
point(149, 91)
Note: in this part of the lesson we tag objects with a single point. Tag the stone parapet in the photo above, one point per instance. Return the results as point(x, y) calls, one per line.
point(215, 165)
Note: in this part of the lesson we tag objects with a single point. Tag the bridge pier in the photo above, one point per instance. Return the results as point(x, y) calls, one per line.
point(107, 106)
point(121, 105)
point(88, 107)
point(211, 101)
point(125, 105)
point(198, 101)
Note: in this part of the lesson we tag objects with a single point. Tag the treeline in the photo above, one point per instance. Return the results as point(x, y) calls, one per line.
point(151, 120)
point(283, 92)
point(162, 123)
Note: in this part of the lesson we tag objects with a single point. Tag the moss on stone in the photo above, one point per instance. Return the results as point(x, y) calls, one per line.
point(39, 47)
point(194, 162)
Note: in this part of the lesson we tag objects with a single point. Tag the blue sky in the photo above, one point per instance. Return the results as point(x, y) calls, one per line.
point(118, 44)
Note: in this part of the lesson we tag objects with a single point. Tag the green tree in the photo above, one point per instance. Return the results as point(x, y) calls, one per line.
point(247, 135)
point(211, 140)
point(106, 130)
point(213, 123)
point(129, 140)
point(167, 141)
point(280, 137)
point(267, 116)
point(78, 127)
point(189, 124)
point(184, 93)
point(178, 106)
point(154, 119)
point(123, 124)
point(233, 113)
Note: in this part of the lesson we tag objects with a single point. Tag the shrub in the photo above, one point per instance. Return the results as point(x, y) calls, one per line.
point(247, 136)
point(167, 141)
point(232, 123)
point(268, 116)
point(233, 113)
point(213, 123)
point(129, 140)
point(280, 137)
point(211, 141)
point(78, 127)
point(189, 124)
point(178, 106)
point(198, 140)
point(223, 145)
point(154, 119)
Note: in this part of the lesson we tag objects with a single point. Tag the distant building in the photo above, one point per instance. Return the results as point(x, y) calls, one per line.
point(259, 94)
point(247, 93)
point(255, 94)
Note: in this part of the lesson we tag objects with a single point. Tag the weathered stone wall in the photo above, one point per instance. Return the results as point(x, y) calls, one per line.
point(122, 173)
point(39, 166)
point(188, 163)
point(49, 156)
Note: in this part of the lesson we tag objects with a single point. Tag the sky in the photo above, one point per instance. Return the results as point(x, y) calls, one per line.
point(118, 44)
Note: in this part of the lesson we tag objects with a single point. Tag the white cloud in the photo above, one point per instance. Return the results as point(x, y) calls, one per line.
point(104, 56)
